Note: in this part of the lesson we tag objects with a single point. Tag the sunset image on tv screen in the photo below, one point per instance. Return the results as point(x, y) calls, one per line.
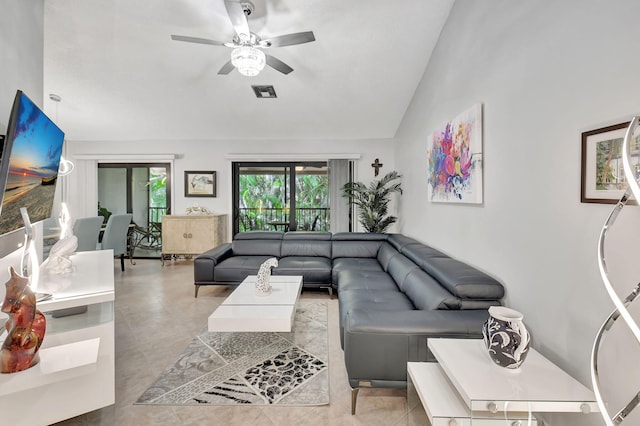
point(33, 167)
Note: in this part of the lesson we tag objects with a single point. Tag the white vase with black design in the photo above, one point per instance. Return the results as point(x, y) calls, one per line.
point(506, 337)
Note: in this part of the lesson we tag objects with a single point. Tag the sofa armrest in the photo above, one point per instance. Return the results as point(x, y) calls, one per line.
point(378, 344)
point(204, 264)
point(218, 254)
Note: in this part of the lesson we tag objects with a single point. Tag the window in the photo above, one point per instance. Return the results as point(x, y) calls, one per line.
point(265, 199)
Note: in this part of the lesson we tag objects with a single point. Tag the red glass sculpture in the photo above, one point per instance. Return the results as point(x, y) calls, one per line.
point(26, 326)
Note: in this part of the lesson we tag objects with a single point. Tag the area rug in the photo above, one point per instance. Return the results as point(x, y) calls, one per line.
point(287, 369)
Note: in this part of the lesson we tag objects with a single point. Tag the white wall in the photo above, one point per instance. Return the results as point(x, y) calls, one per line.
point(217, 155)
point(545, 72)
point(21, 53)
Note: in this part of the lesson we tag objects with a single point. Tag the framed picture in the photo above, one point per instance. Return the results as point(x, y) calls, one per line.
point(454, 157)
point(603, 179)
point(199, 184)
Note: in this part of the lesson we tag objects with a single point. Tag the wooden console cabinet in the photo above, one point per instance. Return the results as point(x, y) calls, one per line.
point(192, 235)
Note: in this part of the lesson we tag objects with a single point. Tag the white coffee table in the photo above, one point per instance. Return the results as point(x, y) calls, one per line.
point(243, 310)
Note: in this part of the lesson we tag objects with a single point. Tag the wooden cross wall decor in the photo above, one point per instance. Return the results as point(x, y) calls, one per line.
point(376, 165)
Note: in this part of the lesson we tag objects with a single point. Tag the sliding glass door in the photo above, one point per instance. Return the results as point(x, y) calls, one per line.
point(144, 190)
point(283, 196)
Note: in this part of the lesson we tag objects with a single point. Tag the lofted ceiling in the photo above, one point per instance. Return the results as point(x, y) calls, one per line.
point(121, 77)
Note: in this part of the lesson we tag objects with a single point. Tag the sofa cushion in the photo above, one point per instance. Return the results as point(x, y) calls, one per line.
point(355, 264)
point(385, 253)
point(426, 294)
point(305, 235)
point(356, 244)
point(314, 270)
point(374, 300)
point(398, 241)
point(259, 235)
point(467, 304)
point(462, 280)
point(367, 249)
point(237, 268)
point(371, 300)
point(366, 280)
point(421, 254)
point(306, 244)
point(399, 267)
point(244, 246)
point(359, 236)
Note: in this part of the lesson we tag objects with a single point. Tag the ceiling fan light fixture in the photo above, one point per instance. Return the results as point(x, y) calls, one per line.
point(248, 60)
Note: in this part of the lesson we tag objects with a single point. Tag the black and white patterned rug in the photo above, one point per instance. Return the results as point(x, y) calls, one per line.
point(251, 368)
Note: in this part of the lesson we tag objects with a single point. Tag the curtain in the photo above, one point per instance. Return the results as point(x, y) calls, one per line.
point(83, 180)
point(338, 176)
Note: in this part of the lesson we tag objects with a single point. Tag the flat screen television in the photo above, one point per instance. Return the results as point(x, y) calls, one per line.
point(29, 164)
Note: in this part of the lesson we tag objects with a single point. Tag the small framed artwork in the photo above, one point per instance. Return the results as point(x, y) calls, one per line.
point(603, 179)
point(199, 184)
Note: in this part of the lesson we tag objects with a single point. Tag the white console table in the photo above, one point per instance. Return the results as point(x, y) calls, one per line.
point(466, 388)
point(76, 372)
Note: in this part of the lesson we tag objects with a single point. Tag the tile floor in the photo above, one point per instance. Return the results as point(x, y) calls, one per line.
point(156, 316)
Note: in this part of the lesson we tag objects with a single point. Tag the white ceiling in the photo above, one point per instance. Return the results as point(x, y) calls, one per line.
point(121, 77)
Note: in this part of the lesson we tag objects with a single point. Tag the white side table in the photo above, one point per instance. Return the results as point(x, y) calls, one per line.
point(466, 388)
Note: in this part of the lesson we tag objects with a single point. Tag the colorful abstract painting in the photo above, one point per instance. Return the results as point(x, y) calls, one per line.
point(455, 160)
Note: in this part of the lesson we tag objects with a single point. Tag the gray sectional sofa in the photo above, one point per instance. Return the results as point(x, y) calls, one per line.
point(299, 253)
point(394, 292)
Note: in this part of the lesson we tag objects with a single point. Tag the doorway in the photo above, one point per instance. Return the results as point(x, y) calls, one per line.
point(142, 189)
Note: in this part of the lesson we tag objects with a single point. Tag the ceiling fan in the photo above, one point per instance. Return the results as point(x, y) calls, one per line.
point(247, 55)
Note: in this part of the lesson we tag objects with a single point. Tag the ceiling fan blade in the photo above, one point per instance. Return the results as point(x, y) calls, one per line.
point(196, 40)
point(238, 18)
point(289, 39)
point(277, 64)
point(226, 68)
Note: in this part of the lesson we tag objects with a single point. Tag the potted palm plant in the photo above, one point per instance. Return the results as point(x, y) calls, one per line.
point(373, 201)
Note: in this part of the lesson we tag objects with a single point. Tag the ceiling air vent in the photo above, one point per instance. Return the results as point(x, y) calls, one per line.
point(264, 91)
